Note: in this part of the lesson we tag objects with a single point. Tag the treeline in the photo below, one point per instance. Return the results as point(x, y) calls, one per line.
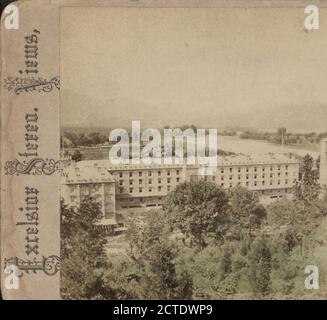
point(82, 139)
point(281, 136)
point(205, 243)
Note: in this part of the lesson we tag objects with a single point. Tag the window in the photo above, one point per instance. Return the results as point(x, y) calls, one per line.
point(159, 188)
point(255, 183)
point(120, 174)
point(278, 181)
point(213, 178)
point(286, 167)
point(168, 180)
point(159, 180)
point(230, 185)
point(159, 173)
point(263, 175)
point(222, 171)
point(177, 172)
point(239, 177)
point(168, 173)
point(150, 173)
point(230, 177)
point(247, 176)
point(72, 188)
point(150, 189)
point(263, 169)
point(130, 190)
point(130, 182)
point(247, 169)
point(239, 170)
point(271, 175)
point(230, 169)
point(286, 174)
point(255, 169)
point(271, 182)
point(278, 168)
point(121, 190)
point(140, 181)
point(286, 181)
point(168, 188)
point(247, 183)
point(150, 181)
point(222, 184)
point(255, 176)
point(222, 178)
point(131, 174)
point(140, 174)
point(121, 182)
point(263, 183)
point(140, 190)
point(177, 179)
point(271, 168)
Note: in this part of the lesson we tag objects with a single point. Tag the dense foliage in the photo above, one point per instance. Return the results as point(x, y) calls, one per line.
point(204, 243)
point(282, 136)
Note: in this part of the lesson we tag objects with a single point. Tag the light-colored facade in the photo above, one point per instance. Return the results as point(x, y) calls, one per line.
point(88, 179)
point(121, 187)
point(323, 162)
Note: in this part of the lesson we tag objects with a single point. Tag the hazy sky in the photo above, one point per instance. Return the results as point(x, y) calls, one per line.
point(211, 67)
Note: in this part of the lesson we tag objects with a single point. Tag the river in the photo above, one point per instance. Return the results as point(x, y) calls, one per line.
point(248, 146)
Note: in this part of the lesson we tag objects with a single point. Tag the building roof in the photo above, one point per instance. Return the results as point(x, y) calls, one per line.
point(91, 168)
point(85, 172)
point(268, 158)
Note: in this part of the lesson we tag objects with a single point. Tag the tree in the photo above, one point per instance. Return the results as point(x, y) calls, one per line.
point(308, 188)
point(259, 259)
point(82, 140)
point(83, 253)
point(198, 208)
point(155, 256)
point(282, 212)
point(77, 156)
point(247, 213)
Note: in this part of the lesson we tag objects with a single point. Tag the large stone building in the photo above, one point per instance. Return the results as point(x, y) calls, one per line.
point(121, 187)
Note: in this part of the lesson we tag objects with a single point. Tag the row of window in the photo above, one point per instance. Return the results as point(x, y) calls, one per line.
point(149, 173)
point(255, 169)
point(222, 170)
point(131, 182)
point(247, 176)
point(139, 200)
point(247, 184)
point(140, 189)
point(255, 183)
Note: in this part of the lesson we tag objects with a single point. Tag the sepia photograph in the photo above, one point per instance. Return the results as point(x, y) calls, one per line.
point(193, 151)
point(164, 157)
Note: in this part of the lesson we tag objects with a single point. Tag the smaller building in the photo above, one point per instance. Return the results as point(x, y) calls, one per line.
point(90, 179)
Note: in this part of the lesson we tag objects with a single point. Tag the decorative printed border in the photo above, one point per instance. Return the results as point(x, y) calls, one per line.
point(19, 85)
point(49, 265)
point(36, 166)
